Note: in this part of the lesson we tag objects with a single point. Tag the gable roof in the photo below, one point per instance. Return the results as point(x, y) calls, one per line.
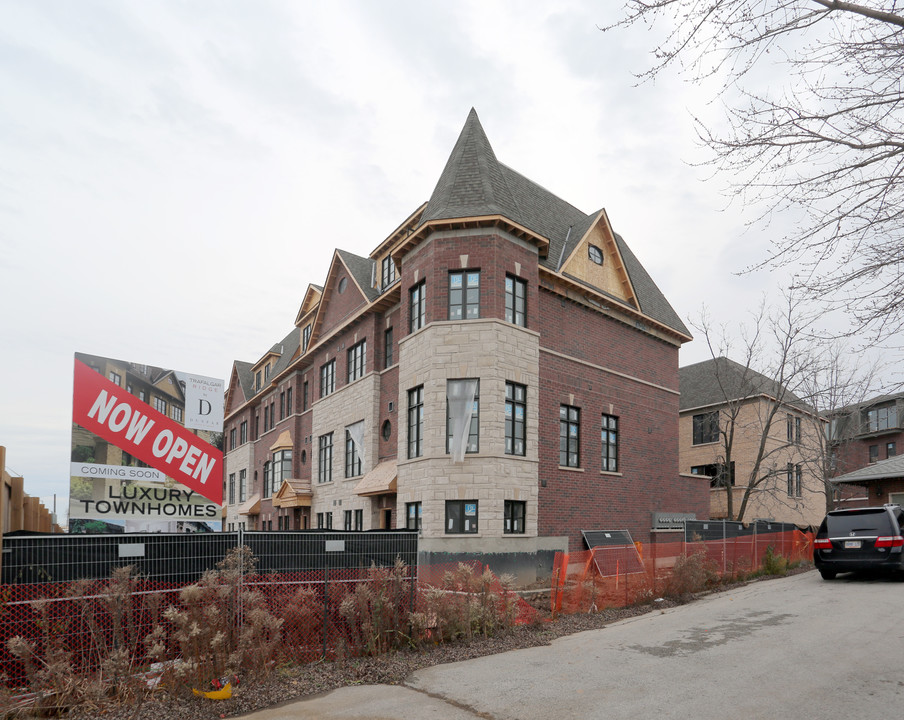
point(716, 381)
point(475, 184)
point(893, 467)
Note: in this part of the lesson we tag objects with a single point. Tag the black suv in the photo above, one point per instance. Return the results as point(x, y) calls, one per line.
point(867, 538)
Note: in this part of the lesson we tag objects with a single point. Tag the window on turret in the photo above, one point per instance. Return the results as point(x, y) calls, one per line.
point(515, 301)
point(417, 306)
point(464, 295)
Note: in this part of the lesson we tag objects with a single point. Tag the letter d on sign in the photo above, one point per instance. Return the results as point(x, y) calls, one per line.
point(203, 407)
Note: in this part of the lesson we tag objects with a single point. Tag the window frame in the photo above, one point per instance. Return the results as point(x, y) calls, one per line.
point(511, 300)
point(325, 458)
point(706, 428)
point(387, 348)
point(566, 424)
point(465, 304)
point(461, 519)
point(609, 437)
point(512, 424)
point(511, 517)
point(473, 425)
point(352, 459)
point(328, 378)
point(417, 306)
point(231, 495)
point(356, 358)
point(414, 515)
point(416, 422)
point(388, 274)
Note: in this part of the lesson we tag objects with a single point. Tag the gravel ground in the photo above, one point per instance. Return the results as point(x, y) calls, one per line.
point(391, 669)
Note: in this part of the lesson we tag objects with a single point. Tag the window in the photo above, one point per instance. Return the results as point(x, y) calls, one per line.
point(352, 458)
point(267, 371)
point(357, 359)
point(272, 415)
point(793, 430)
point(873, 453)
point(329, 520)
point(387, 348)
point(798, 481)
point(243, 485)
point(515, 301)
point(282, 405)
point(143, 396)
point(417, 306)
point(719, 477)
point(268, 470)
point(881, 418)
point(414, 513)
point(257, 426)
point(305, 338)
point(386, 430)
point(514, 517)
point(115, 378)
point(327, 378)
point(515, 412)
point(177, 414)
point(706, 428)
point(232, 488)
point(595, 254)
point(610, 443)
point(416, 422)
point(464, 295)
point(257, 380)
point(462, 416)
point(359, 520)
point(569, 436)
point(290, 408)
point(461, 516)
point(890, 450)
point(281, 469)
point(790, 471)
point(347, 525)
point(325, 458)
point(320, 524)
point(232, 439)
point(243, 432)
point(266, 419)
point(388, 275)
point(160, 405)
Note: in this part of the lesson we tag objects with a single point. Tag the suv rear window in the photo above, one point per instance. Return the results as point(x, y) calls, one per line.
point(867, 522)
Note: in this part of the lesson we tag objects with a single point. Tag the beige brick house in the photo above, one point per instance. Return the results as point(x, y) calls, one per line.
point(743, 430)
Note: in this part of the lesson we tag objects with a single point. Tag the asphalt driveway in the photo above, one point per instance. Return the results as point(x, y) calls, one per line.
point(795, 647)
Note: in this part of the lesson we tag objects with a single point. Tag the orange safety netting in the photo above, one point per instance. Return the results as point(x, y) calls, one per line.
point(616, 576)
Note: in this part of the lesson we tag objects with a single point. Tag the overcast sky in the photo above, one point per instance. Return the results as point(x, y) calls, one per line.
point(174, 174)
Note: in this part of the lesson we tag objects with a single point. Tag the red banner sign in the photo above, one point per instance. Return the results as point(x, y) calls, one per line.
point(107, 410)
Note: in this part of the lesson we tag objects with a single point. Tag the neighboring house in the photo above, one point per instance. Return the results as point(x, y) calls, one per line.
point(500, 373)
point(876, 484)
point(725, 403)
point(18, 511)
point(867, 433)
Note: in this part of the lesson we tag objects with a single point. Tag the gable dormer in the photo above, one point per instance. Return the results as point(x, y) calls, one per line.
point(596, 261)
point(348, 287)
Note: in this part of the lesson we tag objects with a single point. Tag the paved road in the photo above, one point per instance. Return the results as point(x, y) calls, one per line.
point(795, 647)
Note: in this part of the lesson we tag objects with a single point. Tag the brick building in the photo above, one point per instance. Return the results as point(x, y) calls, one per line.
point(868, 432)
point(500, 373)
point(721, 400)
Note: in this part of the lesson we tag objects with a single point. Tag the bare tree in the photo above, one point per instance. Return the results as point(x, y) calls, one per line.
point(753, 404)
point(824, 138)
point(837, 380)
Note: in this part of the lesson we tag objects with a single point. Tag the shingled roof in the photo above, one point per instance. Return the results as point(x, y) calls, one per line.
point(475, 184)
point(716, 381)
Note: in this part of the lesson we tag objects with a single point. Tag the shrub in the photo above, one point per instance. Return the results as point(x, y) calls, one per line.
point(774, 563)
point(691, 574)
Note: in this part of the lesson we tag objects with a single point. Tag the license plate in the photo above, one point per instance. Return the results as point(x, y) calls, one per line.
point(851, 544)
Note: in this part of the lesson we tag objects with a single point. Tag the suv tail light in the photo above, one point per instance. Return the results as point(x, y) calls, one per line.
point(822, 544)
point(888, 541)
